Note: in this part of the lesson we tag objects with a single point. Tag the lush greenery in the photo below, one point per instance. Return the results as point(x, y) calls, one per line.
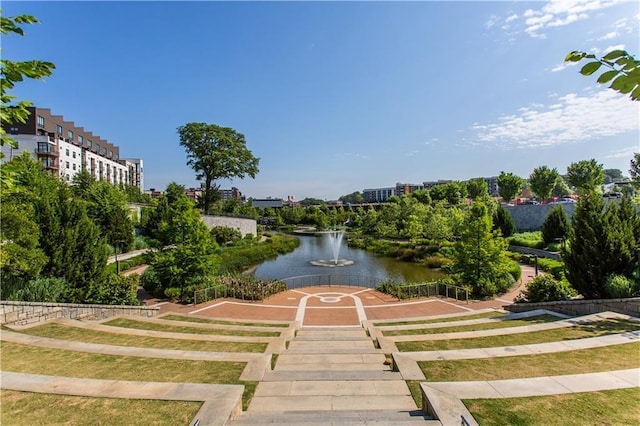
point(54, 240)
point(556, 225)
point(545, 288)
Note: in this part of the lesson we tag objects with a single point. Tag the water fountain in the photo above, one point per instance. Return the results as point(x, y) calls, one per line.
point(335, 240)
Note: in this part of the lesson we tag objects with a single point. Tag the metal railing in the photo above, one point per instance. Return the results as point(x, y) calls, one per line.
point(429, 289)
point(341, 280)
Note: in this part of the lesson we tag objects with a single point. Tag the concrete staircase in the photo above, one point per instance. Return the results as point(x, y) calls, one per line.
point(332, 376)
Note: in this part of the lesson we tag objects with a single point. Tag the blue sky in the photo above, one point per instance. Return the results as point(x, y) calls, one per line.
point(336, 97)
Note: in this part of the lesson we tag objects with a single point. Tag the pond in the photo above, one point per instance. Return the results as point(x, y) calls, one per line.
point(365, 264)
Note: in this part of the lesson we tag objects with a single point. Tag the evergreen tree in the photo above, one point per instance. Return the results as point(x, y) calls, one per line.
point(503, 221)
point(556, 225)
point(602, 243)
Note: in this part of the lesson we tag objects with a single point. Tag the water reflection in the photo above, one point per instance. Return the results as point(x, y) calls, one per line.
point(365, 264)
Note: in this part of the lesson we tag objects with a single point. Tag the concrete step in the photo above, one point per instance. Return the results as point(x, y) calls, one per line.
point(332, 335)
point(272, 404)
point(301, 375)
point(363, 388)
point(324, 418)
point(287, 358)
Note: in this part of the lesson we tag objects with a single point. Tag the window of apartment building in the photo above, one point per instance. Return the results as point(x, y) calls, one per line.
point(73, 154)
point(110, 153)
point(70, 134)
point(74, 166)
point(89, 143)
point(58, 129)
point(80, 140)
point(40, 121)
point(97, 147)
point(66, 152)
point(67, 164)
point(104, 151)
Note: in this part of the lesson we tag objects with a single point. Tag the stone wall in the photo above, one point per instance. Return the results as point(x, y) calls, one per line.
point(536, 252)
point(530, 217)
point(23, 313)
point(628, 306)
point(244, 225)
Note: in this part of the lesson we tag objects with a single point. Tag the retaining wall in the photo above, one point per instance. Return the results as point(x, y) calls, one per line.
point(23, 313)
point(531, 217)
point(628, 306)
point(244, 225)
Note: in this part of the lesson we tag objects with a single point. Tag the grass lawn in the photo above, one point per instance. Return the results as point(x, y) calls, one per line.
point(57, 362)
point(581, 331)
point(26, 408)
point(214, 321)
point(594, 360)
point(141, 325)
point(611, 407)
point(475, 327)
point(59, 331)
point(448, 319)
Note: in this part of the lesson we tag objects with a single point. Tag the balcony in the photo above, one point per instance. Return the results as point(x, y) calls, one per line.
point(48, 150)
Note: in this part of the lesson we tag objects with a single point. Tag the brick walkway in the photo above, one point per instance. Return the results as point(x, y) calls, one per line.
point(340, 306)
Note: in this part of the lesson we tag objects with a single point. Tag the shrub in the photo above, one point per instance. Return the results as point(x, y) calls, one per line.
point(503, 221)
point(224, 234)
point(545, 288)
point(527, 239)
point(556, 225)
point(618, 286)
point(38, 290)
point(514, 269)
point(436, 261)
point(115, 290)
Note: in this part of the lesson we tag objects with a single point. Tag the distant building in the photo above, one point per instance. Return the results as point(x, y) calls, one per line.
point(64, 149)
point(431, 184)
point(226, 194)
point(377, 195)
point(407, 188)
point(266, 203)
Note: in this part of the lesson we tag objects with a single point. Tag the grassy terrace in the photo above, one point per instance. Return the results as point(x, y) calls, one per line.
point(221, 322)
point(141, 325)
point(24, 408)
point(438, 320)
point(62, 332)
point(580, 331)
point(594, 360)
point(56, 362)
point(611, 407)
point(475, 327)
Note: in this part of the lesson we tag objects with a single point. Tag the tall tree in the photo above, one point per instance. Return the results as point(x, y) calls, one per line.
point(556, 225)
point(480, 254)
point(622, 70)
point(561, 189)
point(634, 170)
point(542, 181)
point(12, 72)
point(503, 221)
point(216, 152)
point(601, 244)
point(585, 175)
point(509, 186)
point(477, 187)
point(613, 175)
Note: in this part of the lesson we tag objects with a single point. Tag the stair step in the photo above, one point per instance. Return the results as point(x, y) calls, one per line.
point(299, 375)
point(287, 358)
point(362, 388)
point(324, 418)
point(267, 404)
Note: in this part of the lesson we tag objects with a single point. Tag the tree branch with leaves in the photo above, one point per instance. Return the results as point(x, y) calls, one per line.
point(622, 70)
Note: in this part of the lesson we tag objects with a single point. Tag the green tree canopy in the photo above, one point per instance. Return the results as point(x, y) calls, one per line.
point(216, 152)
point(542, 181)
point(561, 189)
point(556, 225)
point(613, 175)
point(585, 175)
point(353, 198)
point(509, 186)
point(477, 187)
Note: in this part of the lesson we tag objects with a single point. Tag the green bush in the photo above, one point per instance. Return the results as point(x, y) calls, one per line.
point(224, 234)
point(527, 239)
point(545, 288)
point(38, 290)
point(514, 269)
point(618, 286)
point(435, 262)
point(556, 225)
point(115, 290)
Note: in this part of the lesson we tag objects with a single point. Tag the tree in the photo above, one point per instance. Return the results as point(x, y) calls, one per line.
point(422, 195)
point(634, 171)
point(452, 192)
point(216, 152)
point(509, 186)
point(601, 244)
point(622, 70)
point(561, 189)
point(542, 181)
point(556, 225)
point(503, 221)
point(12, 72)
point(613, 175)
point(480, 254)
point(353, 198)
point(477, 187)
point(585, 175)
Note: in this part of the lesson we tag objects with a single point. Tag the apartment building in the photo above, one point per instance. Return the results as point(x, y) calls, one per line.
point(377, 195)
point(65, 149)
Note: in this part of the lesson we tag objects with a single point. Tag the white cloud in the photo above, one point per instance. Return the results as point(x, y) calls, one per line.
point(558, 13)
point(622, 153)
point(563, 65)
point(614, 47)
point(609, 36)
point(570, 119)
point(493, 20)
point(511, 18)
